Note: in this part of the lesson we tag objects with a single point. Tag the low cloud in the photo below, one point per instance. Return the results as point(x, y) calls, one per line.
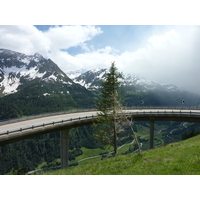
point(172, 58)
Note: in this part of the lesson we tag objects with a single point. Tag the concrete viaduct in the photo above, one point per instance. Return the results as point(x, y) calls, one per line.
point(16, 130)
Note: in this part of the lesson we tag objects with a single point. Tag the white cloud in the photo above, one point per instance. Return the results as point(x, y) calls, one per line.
point(65, 37)
point(29, 40)
point(171, 56)
point(88, 60)
point(25, 39)
point(169, 38)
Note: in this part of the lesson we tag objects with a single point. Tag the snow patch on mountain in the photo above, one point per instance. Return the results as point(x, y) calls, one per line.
point(46, 94)
point(12, 76)
point(10, 85)
point(52, 77)
point(16, 67)
point(75, 73)
point(25, 60)
point(89, 79)
point(31, 73)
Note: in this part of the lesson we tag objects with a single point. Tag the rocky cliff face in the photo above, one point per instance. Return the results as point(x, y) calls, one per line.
point(17, 68)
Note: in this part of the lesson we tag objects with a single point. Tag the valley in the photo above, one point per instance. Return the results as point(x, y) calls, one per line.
point(32, 85)
point(180, 158)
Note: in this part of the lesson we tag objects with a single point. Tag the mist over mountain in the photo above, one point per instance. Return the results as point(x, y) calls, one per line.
point(92, 80)
point(138, 89)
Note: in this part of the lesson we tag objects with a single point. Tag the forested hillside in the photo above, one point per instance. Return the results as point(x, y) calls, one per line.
point(38, 97)
point(30, 100)
point(160, 98)
point(32, 85)
point(28, 154)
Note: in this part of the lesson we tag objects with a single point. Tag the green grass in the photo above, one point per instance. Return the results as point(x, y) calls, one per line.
point(142, 130)
point(182, 158)
point(88, 153)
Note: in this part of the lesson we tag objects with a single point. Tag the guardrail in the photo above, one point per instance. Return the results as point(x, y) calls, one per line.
point(46, 124)
point(43, 115)
point(165, 112)
point(127, 112)
point(93, 109)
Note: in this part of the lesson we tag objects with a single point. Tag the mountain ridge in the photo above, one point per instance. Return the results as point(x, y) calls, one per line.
point(17, 68)
point(139, 91)
point(91, 79)
point(32, 85)
point(36, 76)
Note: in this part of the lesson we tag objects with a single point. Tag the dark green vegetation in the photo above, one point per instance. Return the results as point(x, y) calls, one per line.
point(181, 158)
point(26, 155)
point(37, 97)
point(160, 98)
point(187, 135)
point(54, 92)
point(46, 148)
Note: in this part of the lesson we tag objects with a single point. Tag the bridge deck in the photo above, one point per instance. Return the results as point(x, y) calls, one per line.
point(13, 131)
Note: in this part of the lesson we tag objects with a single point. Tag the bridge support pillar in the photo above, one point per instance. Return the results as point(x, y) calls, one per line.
point(151, 134)
point(64, 148)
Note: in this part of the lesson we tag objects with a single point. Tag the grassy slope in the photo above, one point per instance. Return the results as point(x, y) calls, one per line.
point(177, 158)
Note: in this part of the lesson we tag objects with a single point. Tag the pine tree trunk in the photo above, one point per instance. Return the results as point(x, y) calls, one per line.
point(115, 126)
point(115, 138)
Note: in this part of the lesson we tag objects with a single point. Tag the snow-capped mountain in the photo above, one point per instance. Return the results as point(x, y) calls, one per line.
point(75, 73)
point(40, 85)
point(91, 80)
point(143, 85)
point(17, 68)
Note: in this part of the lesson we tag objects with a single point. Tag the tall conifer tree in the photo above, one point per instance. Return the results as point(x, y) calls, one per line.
point(109, 99)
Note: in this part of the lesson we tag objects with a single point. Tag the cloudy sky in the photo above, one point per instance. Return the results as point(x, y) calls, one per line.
point(160, 53)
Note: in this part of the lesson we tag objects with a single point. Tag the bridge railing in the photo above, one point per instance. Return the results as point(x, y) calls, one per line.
point(164, 111)
point(127, 112)
point(43, 115)
point(93, 109)
point(45, 124)
point(183, 107)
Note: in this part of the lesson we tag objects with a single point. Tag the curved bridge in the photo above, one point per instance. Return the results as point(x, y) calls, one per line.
point(16, 130)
